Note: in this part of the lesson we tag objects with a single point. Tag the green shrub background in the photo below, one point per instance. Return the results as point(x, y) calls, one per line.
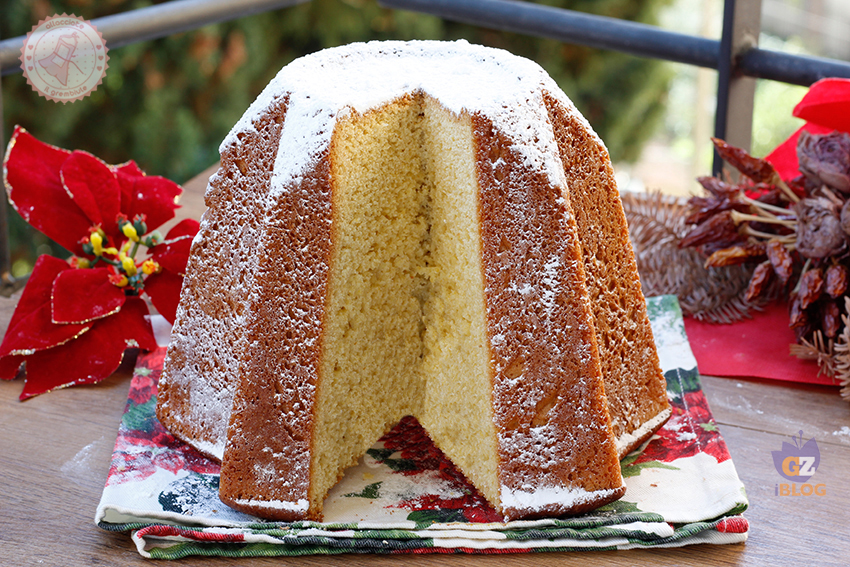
point(168, 103)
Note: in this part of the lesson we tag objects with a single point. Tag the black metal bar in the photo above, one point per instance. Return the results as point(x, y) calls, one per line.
point(156, 21)
point(7, 282)
point(520, 17)
point(507, 15)
point(724, 78)
point(796, 70)
point(570, 27)
point(610, 33)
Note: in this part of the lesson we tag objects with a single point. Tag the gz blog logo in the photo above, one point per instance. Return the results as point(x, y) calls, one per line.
point(798, 463)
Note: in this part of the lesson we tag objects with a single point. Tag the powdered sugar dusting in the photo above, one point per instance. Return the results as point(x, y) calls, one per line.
point(538, 499)
point(299, 506)
point(550, 284)
point(626, 439)
point(359, 77)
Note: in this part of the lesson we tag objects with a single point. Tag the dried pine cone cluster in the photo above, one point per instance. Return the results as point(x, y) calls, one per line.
point(797, 230)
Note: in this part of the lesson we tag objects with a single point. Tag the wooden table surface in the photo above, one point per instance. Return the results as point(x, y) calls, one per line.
point(55, 451)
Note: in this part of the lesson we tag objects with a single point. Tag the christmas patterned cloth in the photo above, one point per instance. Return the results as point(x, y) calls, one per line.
point(404, 496)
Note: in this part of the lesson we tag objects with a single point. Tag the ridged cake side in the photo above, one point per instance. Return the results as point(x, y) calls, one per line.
point(634, 383)
point(256, 326)
point(555, 443)
point(200, 371)
point(270, 431)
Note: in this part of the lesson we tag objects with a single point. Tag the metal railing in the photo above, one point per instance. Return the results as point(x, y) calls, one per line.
point(156, 21)
point(736, 55)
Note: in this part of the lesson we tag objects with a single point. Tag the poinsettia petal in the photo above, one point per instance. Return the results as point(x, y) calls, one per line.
point(36, 296)
point(80, 296)
point(156, 198)
point(9, 366)
point(78, 181)
point(135, 326)
point(826, 104)
point(31, 176)
point(86, 360)
point(37, 331)
point(164, 290)
point(38, 289)
point(784, 156)
point(92, 185)
point(186, 227)
point(172, 255)
point(126, 174)
point(129, 168)
point(92, 357)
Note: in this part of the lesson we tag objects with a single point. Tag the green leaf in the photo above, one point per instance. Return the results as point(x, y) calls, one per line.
point(140, 417)
point(620, 507)
point(635, 470)
point(425, 518)
point(398, 465)
point(380, 454)
point(369, 491)
point(681, 381)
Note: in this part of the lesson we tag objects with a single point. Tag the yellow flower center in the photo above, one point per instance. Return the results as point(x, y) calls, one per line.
point(150, 267)
point(128, 264)
point(80, 263)
point(97, 243)
point(130, 232)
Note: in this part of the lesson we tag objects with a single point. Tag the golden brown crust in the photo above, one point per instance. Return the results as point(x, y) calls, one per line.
point(634, 383)
point(269, 442)
point(543, 333)
point(213, 297)
point(541, 336)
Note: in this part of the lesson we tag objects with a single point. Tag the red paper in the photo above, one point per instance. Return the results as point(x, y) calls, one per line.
point(826, 104)
point(755, 348)
point(824, 108)
point(784, 157)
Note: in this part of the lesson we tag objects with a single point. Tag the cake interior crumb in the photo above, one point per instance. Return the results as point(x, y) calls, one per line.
point(405, 327)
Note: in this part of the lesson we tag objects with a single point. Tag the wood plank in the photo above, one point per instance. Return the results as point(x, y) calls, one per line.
point(781, 408)
point(809, 529)
point(54, 484)
point(55, 452)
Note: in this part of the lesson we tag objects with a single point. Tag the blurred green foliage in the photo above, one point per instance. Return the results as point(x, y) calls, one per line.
point(168, 103)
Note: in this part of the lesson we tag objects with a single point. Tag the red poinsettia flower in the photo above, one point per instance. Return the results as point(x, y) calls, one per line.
point(824, 108)
point(76, 318)
point(419, 454)
point(690, 430)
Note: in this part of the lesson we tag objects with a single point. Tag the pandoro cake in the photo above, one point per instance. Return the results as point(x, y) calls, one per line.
point(427, 229)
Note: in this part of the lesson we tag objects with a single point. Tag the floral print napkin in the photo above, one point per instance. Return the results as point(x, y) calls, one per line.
point(404, 496)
